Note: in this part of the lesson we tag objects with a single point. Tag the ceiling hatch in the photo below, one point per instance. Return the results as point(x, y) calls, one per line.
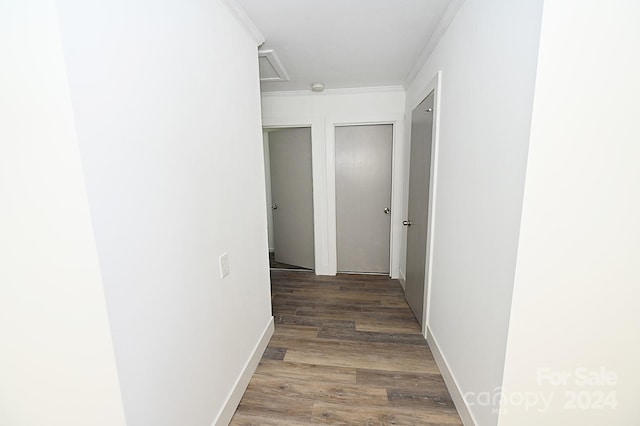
point(271, 68)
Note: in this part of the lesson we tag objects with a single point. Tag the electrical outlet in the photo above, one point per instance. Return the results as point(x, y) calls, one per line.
point(224, 265)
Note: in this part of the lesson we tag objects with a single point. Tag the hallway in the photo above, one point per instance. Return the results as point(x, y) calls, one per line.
point(346, 350)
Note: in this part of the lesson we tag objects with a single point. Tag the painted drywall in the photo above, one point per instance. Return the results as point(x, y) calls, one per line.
point(575, 302)
point(488, 61)
point(323, 111)
point(57, 365)
point(167, 106)
point(345, 44)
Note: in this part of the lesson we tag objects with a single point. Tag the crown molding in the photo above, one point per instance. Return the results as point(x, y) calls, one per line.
point(441, 27)
point(346, 91)
point(244, 20)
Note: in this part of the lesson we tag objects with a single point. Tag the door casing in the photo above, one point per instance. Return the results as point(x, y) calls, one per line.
point(318, 156)
point(292, 195)
point(396, 189)
point(323, 165)
point(364, 154)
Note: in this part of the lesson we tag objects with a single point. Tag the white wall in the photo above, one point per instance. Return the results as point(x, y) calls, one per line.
point(575, 301)
point(488, 62)
point(57, 365)
point(323, 111)
point(167, 106)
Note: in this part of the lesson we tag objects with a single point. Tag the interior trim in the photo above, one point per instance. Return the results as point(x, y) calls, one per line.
point(451, 382)
point(241, 16)
point(441, 27)
point(345, 91)
point(233, 399)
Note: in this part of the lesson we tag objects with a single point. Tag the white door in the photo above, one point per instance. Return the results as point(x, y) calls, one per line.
point(416, 223)
point(363, 197)
point(292, 196)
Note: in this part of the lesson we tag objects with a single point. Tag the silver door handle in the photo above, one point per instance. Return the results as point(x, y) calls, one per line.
point(274, 207)
point(386, 210)
point(406, 222)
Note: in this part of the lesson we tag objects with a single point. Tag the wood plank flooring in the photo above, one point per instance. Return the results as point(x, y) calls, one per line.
point(346, 350)
point(277, 265)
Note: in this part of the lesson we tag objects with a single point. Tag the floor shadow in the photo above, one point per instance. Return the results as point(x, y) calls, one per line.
point(277, 265)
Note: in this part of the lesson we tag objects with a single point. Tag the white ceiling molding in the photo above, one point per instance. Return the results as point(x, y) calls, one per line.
point(368, 42)
point(277, 71)
point(347, 91)
point(238, 12)
point(434, 39)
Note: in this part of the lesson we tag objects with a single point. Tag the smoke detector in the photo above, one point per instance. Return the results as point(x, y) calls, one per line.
point(317, 87)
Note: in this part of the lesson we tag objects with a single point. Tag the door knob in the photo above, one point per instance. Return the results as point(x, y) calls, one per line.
point(274, 207)
point(406, 222)
point(386, 210)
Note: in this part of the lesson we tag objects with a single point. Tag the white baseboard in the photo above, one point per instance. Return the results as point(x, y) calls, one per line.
point(230, 405)
point(403, 280)
point(450, 381)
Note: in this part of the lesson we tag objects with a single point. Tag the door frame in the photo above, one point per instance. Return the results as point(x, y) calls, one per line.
point(395, 240)
point(333, 173)
point(318, 156)
point(267, 144)
point(433, 86)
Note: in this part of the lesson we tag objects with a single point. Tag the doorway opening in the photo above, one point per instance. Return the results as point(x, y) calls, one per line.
point(289, 187)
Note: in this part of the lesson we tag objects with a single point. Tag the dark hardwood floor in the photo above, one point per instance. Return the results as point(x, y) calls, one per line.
point(346, 350)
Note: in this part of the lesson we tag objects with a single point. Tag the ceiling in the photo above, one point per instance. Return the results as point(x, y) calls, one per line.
point(344, 43)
